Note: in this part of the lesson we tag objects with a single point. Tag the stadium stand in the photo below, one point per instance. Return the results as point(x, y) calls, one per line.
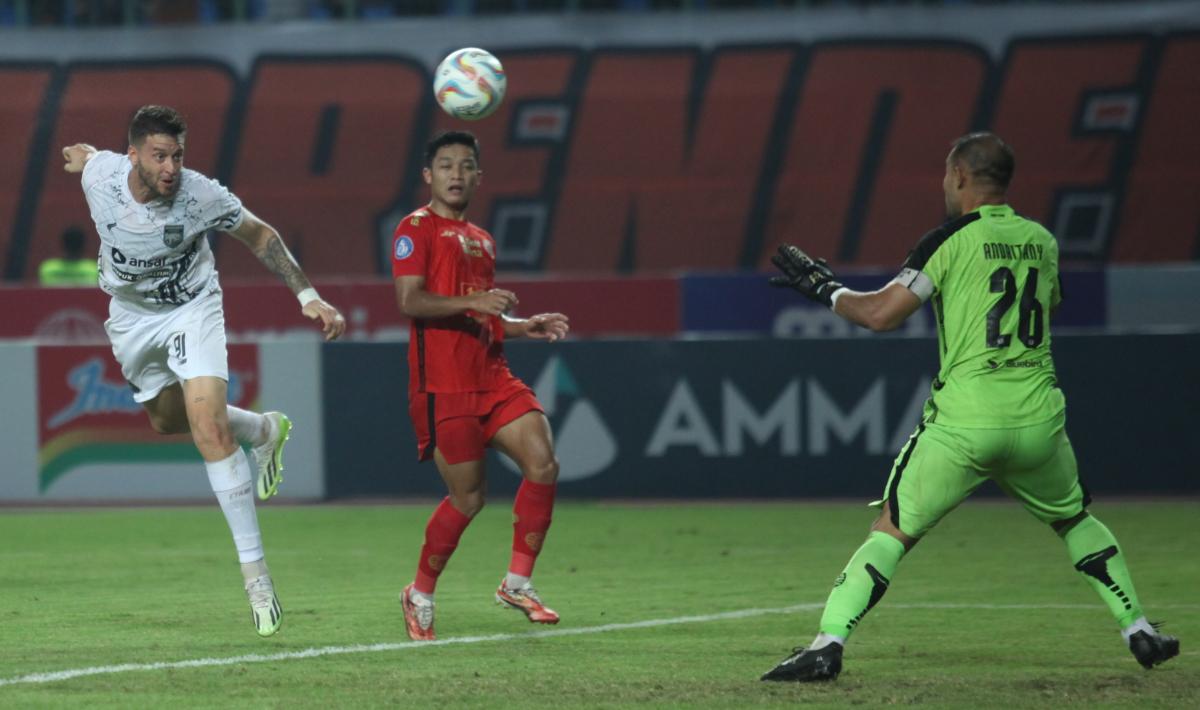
point(100, 13)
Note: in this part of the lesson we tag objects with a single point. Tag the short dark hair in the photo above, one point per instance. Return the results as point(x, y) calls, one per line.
point(986, 157)
point(446, 138)
point(152, 120)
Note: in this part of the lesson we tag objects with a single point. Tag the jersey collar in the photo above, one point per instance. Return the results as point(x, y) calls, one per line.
point(994, 211)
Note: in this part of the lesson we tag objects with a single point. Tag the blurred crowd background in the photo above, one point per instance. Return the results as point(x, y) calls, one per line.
point(167, 12)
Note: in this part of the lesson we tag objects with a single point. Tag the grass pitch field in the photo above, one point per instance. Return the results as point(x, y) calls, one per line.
point(987, 611)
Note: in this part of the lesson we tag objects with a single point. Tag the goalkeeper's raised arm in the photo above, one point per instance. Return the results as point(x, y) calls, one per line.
point(885, 309)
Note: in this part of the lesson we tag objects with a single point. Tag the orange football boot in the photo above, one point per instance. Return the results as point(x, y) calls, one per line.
point(418, 616)
point(526, 600)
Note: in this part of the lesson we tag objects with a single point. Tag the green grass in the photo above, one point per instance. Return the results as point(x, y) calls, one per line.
point(100, 587)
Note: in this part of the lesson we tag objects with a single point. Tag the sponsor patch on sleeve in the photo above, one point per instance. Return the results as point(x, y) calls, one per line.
point(404, 247)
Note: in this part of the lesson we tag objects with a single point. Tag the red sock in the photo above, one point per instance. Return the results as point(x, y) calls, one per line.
point(445, 527)
point(531, 520)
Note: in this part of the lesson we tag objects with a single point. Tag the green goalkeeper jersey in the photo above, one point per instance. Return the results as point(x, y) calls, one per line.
point(992, 277)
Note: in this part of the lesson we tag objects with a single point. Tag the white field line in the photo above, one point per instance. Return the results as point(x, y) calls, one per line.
point(55, 676)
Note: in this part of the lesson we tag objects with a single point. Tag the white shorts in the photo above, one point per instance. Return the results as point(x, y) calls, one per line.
point(156, 350)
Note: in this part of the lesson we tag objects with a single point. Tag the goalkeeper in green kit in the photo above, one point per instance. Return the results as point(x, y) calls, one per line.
point(995, 411)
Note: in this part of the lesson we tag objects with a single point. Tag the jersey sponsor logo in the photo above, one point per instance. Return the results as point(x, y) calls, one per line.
point(404, 247)
point(134, 276)
point(450, 233)
point(148, 263)
point(470, 247)
point(173, 235)
point(159, 268)
point(1013, 362)
point(117, 256)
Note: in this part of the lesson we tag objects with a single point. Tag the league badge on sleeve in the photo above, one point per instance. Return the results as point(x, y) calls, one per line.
point(404, 247)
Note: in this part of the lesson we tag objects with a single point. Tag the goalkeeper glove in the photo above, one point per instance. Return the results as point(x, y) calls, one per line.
point(813, 279)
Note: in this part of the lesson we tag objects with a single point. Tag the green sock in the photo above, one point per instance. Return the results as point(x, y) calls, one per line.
point(861, 584)
point(1096, 554)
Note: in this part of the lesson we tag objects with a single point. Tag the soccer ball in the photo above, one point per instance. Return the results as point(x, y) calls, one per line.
point(469, 84)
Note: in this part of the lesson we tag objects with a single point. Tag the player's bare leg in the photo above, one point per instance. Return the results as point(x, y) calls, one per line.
point(167, 413)
point(265, 433)
point(204, 399)
point(466, 484)
point(528, 442)
point(859, 587)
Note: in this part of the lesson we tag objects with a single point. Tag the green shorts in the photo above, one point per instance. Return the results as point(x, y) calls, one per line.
point(941, 465)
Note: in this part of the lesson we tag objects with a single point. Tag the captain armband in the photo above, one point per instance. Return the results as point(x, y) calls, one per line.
point(915, 281)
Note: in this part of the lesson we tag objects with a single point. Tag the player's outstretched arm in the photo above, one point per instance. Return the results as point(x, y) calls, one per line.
point(882, 310)
point(543, 326)
point(76, 156)
point(416, 302)
point(268, 246)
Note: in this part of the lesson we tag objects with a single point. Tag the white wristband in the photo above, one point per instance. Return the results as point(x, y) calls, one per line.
point(833, 297)
point(307, 296)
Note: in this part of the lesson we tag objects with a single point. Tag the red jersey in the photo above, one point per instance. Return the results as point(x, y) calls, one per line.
point(462, 353)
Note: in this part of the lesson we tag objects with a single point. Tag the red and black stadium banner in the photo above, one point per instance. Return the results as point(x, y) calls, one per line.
point(646, 159)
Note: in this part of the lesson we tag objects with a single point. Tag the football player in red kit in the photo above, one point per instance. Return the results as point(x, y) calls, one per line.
point(462, 396)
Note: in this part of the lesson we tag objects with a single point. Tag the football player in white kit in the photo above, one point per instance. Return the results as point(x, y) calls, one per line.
point(166, 323)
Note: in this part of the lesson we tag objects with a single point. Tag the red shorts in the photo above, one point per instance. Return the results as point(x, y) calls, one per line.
point(460, 424)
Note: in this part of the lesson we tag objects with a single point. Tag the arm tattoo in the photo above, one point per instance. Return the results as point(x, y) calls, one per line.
point(279, 260)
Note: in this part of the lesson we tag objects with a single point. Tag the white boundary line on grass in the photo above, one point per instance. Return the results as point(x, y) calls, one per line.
point(56, 676)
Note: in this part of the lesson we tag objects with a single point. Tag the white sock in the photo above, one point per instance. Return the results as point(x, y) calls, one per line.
point(515, 581)
point(1140, 625)
point(230, 480)
point(249, 427)
point(822, 640)
point(253, 570)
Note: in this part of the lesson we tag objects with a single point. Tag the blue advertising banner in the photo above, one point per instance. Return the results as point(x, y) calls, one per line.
point(662, 419)
point(742, 303)
point(761, 417)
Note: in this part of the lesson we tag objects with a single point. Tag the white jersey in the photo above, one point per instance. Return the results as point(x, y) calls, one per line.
point(155, 256)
